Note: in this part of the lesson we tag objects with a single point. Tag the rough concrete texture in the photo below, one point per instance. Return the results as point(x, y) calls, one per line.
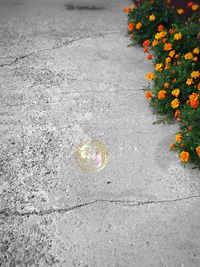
point(66, 75)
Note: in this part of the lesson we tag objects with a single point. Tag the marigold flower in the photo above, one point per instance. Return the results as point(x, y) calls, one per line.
point(163, 34)
point(179, 138)
point(160, 28)
point(146, 43)
point(154, 43)
point(179, 119)
point(190, 4)
point(188, 56)
point(198, 86)
point(152, 17)
point(172, 53)
point(178, 36)
point(177, 113)
point(189, 82)
point(194, 102)
point(166, 85)
point(195, 7)
point(180, 11)
point(149, 76)
point(172, 146)
point(168, 59)
point(176, 92)
point(196, 50)
point(184, 156)
point(174, 80)
point(130, 27)
point(171, 31)
point(159, 67)
point(148, 94)
point(168, 47)
point(198, 150)
point(150, 56)
point(164, 40)
point(190, 128)
point(158, 36)
point(195, 59)
point(167, 66)
point(175, 103)
point(162, 94)
point(177, 56)
point(133, 6)
point(138, 26)
point(195, 74)
point(126, 9)
point(146, 50)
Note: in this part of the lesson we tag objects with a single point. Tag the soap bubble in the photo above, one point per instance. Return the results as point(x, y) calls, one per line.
point(91, 156)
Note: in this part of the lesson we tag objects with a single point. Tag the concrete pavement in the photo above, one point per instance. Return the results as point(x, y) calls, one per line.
point(66, 75)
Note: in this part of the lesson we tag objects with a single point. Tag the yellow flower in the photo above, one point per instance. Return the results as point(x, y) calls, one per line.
point(189, 82)
point(158, 36)
point(188, 56)
point(178, 36)
point(172, 53)
point(154, 43)
point(195, 7)
point(133, 6)
point(168, 59)
point(196, 50)
point(179, 138)
point(180, 11)
point(152, 17)
point(195, 74)
point(149, 76)
point(176, 92)
point(159, 66)
point(175, 103)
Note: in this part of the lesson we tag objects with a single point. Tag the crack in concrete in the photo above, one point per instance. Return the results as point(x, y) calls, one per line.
point(66, 43)
point(130, 203)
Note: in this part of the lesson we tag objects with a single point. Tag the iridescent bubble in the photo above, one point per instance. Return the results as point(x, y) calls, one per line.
point(91, 156)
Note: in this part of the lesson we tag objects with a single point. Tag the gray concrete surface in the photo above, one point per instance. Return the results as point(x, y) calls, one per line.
point(66, 74)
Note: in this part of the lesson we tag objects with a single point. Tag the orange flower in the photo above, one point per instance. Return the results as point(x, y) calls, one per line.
point(148, 94)
point(195, 7)
point(177, 113)
point(190, 128)
point(163, 34)
point(146, 50)
point(161, 94)
point(146, 43)
point(175, 103)
point(171, 31)
point(167, 66)
point(164, 40)
point(198, 86)
point(138, 26)
point(149, 57)
point(149, 76)
point(179, 138)
point(126, 9)
point(166, 85)
point(184, 156)
point(172, 53)
point(168, 47)
point(174, 80)
point(152, 17)
point(188, 56)
point(194, 101)
point(160, 28)
point(189, 82)
point(180, 11)
point(195, 59)
point(168, 59)
point(195, 74)
point(177, 56)
point(198, 150)
point(130, 27)
point(154, 43)
point(172, 146)
point(176, 92)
